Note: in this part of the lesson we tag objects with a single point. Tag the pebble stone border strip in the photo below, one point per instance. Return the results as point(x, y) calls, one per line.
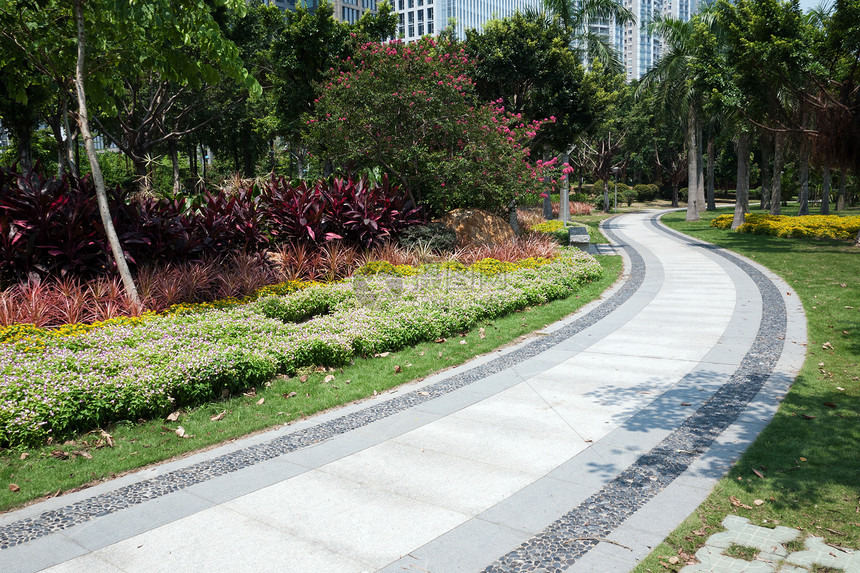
point(563, 542)
point(53, 521)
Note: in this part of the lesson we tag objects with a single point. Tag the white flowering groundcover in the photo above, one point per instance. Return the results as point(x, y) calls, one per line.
point(128, 372)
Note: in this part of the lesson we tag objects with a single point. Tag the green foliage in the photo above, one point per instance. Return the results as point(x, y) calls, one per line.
point(435, 236)
point(412, 111)
point(116, 170)
point(646, 191)
point(525, 60)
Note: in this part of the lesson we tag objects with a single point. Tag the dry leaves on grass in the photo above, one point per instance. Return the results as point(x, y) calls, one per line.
point(260, 401)
point(738, 503)
point(14, 488)
point(180, 431)
point(214, 418)
point(108, 438)
point(173, 416)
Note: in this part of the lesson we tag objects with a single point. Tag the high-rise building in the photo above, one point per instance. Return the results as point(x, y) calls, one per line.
point(423, 17)
point(641, 50)
point(344, 10)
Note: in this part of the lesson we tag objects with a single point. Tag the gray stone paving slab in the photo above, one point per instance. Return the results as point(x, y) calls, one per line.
point(468, 548)
point(537, 504)
point(134, 520)
point(39, 554)
point(247, 480)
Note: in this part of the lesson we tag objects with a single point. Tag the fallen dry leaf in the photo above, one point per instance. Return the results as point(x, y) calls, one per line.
point(108, 438)
point(59, 454)
point(758, 502)
point(180, 431)
point(250, 393)
point(173, 416)
point(673, 560)
point(83, 454)
point(423, 393)
point(737, 503)
point(328, 378)
point(303, 378)
point(830, 404)
point(290, 395)
point(319, 369)
point(462, 342)
point(801, 458)
point(398, 369)
point(686, 404)
point(441, 340)
point(260, 401)
point(758, 473)
point(421, 353)
point(381, 354)
point(14, 488)
point(214, 418)
point(807, 417)
point(375, 393)
point(481, 332)
point(827, 346)
point(439, 355)
point(25, 455)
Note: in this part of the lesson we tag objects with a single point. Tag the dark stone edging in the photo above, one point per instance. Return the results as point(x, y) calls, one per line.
point(562, 543)
point(53, 521)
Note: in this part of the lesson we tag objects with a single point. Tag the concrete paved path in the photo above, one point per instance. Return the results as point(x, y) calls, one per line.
point(579, 449)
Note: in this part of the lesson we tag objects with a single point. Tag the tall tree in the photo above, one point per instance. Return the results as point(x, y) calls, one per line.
point(525, 61)
point(576, 16)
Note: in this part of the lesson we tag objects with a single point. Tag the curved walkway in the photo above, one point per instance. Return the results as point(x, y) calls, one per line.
point(576, 450)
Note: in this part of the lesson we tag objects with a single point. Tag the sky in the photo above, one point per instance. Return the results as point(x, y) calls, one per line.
point(807, 4)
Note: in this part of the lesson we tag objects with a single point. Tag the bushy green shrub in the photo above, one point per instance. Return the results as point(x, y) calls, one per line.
point(436, 236)
point(646, 191)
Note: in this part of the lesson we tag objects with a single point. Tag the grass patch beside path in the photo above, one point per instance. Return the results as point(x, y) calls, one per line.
point(57, 468)
point(809, 455)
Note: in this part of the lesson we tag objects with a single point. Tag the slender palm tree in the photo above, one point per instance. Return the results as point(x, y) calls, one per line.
point(673, 80)
point(577, 17)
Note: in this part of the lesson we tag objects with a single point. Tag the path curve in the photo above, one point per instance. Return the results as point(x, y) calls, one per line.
point(577, 450)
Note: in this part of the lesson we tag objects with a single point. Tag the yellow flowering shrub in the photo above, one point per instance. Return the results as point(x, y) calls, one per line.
point(807, 226)
point(548, 227)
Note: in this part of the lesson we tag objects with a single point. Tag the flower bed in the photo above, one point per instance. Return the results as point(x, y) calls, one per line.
point(815, 226)
point(149, 367)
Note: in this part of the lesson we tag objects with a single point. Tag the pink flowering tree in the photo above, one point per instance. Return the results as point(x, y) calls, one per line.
point(411, 111)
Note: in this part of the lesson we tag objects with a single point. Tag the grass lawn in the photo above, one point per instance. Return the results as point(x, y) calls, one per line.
point(87, 459)
point(805, 466)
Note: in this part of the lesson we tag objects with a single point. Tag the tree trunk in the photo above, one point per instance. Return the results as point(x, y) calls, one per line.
point(712, 204)
point(692, 167)
point(98, 180)
point(205, 157)
point(840, 196)
point(776, 186)
point(547, 200)
point(674, 194)
point(743, 180)
point(606, 196)
point(564, 199)
point(766, 178)
point(701, 204)
point(174, 161)
point(803, 194)
point(825, 190)
point(24, 143)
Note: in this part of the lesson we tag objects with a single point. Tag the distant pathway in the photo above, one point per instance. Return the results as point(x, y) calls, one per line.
point(576, 450)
